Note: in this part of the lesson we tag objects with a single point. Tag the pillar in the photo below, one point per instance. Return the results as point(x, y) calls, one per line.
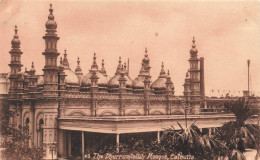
point(82, 145)
point(158, 137)
point(117, 142)
point(61, 142)
point(69, 143)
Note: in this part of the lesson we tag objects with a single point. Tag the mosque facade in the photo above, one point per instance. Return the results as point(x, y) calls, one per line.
point(63, 104)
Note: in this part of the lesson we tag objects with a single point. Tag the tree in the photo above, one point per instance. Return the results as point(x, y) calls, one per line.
point(191, 141)
point(241, 133)
point(17, 140)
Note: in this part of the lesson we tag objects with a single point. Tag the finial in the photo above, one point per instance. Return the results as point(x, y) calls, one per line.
point(94, 56)
point(125, 66)
point(61, 61)
point(15, 30)
point(193, 41)
point(65, 53)
point(32, 64)
point(51, 10)
point(162, 65)
point(78, 61)
point(25, 69)
point(168, 73)
point(145, 50)
point(119, 60)
point(103, 63)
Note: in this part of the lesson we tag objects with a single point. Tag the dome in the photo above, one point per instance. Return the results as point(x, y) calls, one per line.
point(159, 83)
point(71, 77)
point(193, 50)
point(40, 80)
point(86, 81)
point(51, 24)
point(113, 82)
point(16, 42)
point(138, 82)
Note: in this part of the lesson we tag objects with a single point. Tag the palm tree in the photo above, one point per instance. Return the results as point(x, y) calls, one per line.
point(191, 141)
point(241, 133)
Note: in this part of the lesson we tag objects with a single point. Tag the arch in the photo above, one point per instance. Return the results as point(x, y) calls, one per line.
point(107, 113)
point(133, 113)
point(26, 116)
point(77, 113)
point(156, 112)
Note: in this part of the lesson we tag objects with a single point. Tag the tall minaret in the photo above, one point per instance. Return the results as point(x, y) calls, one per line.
point(15, 63)
point(51, 54)
point(194, 72)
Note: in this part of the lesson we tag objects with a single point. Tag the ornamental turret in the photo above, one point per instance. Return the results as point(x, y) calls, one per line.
point(169, 84)
point(51, 54)
point(65, 60)
point(15, 63)
point(78, 70)
point(103, 70)
point(32, 79)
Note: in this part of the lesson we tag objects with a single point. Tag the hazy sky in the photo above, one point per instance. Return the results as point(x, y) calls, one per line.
point(226, 33)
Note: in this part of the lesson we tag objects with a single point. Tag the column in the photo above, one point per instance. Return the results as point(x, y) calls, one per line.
point(82, 146)
point(61, 142)
point(210, 131)
point(158, 137)
point(69, 143)
point(117, 142)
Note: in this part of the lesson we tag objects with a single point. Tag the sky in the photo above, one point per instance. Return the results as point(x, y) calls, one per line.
point(227, 34)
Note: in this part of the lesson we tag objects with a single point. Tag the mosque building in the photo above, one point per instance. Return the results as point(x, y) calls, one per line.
point(67, 109)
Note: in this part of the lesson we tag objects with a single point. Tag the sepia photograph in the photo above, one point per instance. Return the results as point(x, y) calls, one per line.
point(128, 79)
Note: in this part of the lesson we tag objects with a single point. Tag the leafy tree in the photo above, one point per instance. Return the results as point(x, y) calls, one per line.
point(17, 140)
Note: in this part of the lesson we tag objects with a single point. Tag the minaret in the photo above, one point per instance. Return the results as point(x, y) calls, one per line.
point(15, 63)
point(78, 70)
point(194, 72)
point(51, 54)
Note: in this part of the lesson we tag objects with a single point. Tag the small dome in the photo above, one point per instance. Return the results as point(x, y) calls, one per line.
point(159, 83)
point(16, 42)
point(71, 77)
point(51, 24)
point(193, 50)
point(113, 82)
point(86, 81)
point(40, 80)
point(138, 82)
